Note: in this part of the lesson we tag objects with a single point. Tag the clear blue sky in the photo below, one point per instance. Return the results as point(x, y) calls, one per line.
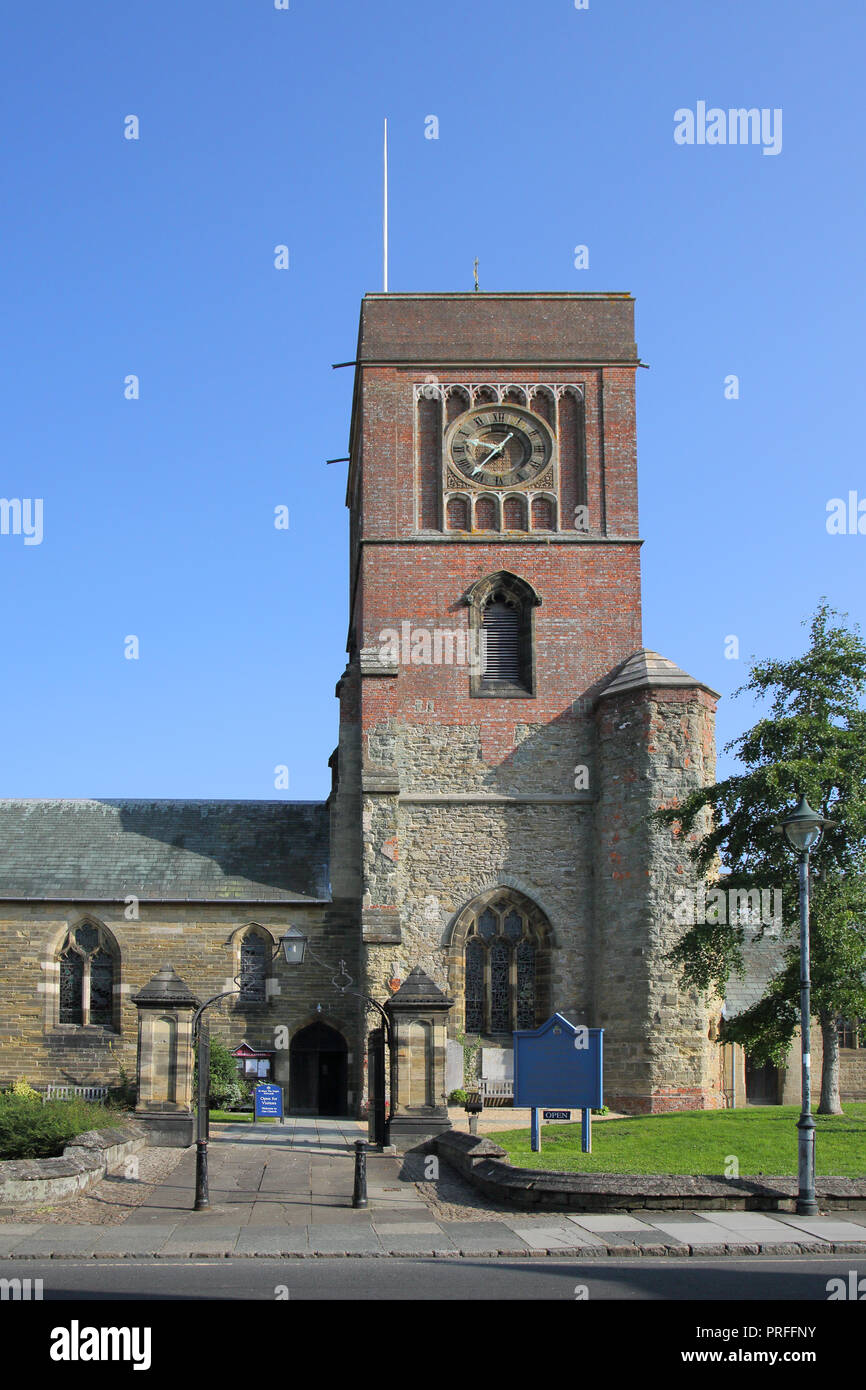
point(260, 127)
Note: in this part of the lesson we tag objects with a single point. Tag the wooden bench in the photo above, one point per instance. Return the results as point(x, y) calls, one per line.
point(496, 1091)
point(92, 1093)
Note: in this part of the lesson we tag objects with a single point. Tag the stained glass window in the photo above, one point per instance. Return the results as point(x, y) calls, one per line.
point(86, 986)
point(101, 981)
point(502, 969)
point(253, 967)
point(500, 1011)
point(487, 924)
point(514, 926)
point(71, 987)
point(86, 937)
point(526, 985)
point(474, 987)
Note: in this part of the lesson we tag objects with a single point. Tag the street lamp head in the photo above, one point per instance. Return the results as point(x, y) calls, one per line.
point(803, 827)
point(294, 944)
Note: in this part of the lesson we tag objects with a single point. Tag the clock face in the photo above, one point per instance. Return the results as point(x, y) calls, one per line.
point(500, 446)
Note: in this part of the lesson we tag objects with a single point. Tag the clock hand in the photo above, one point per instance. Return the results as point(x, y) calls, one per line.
point(493, 453)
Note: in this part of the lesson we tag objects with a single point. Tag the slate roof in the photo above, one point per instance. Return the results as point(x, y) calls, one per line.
point(762, 959)
point(201, 851)
point(645, 668)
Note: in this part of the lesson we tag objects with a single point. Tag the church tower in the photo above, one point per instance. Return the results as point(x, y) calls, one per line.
point(504, 736)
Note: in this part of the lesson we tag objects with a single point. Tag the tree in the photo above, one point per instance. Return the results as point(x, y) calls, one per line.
point(813, 742)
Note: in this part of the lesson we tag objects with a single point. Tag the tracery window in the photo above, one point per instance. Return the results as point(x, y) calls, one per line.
point(255, 958)
point(87, 962)
point(502, 981)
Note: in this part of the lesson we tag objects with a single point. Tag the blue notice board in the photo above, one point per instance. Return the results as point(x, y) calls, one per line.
point(558, 1065)
point(269, 1101)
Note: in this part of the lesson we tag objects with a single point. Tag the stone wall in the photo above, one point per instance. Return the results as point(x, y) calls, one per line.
point(201, 942)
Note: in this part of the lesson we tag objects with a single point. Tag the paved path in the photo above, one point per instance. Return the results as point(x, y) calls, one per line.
point(286, 1190)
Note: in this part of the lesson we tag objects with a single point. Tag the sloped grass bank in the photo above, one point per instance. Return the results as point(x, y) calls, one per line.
point(762, 1140)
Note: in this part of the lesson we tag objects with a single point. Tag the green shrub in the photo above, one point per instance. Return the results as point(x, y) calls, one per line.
point(31, 1129)
point(457, 1097)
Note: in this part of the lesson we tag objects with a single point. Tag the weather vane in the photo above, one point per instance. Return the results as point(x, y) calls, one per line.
point(475, 272)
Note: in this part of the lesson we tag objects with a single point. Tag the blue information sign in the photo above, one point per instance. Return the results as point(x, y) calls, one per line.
point(559, 1064)
point(269, 1102)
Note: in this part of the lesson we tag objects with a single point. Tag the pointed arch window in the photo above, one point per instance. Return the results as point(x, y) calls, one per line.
point(506, 966)
point(255, 958)
point(88, 964)
point(502, 617)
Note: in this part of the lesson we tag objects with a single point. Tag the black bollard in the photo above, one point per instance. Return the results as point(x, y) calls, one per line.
point(202, 1196)
point(359, 1196)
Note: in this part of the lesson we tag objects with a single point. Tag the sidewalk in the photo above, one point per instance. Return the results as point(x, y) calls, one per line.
point(286, 1190)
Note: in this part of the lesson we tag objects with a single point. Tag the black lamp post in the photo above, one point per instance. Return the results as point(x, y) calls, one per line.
point(201, 1034)
point(802, 830)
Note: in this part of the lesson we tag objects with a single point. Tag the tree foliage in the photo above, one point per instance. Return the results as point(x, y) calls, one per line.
point(811, 741)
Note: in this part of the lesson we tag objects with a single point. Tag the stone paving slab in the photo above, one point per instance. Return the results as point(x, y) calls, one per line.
point(694, 1232)
point(59, 1241)
point(11, 1234)
point(823, 1228)
point(286, 1240)
point(607, 1222)
point(186, 1242)
point(132, 1240)
point(339, 1239)
point(538, 1237)
point(484, 1237)
point(749, 1223)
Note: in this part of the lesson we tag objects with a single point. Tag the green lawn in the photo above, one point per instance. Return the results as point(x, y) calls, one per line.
point(762, 1138)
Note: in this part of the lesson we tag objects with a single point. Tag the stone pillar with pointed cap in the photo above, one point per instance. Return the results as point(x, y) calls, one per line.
point(419, 1016)
point(655, 744)
point(166, 1007)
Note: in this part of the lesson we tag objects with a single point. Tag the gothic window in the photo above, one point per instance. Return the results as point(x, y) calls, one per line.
point(71, 987)
point(101, 987)
point(474, 987)
point(500, 1011)
point(87, 973)
point(501, 612)
point(504, 981)
point(525, 955)
point(254, 968)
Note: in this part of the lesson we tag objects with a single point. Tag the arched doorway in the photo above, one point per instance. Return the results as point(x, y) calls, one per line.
point(318, 1072)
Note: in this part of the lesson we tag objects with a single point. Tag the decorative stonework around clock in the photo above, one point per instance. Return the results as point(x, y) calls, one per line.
point(490, 454)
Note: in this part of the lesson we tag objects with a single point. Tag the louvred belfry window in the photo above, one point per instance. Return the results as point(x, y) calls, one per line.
point(500, 624)
point(501, 609)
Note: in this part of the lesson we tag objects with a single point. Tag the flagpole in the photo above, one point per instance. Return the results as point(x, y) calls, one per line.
point(385, 216)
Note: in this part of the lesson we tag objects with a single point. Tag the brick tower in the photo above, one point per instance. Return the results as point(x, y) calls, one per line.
point(504, 735)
